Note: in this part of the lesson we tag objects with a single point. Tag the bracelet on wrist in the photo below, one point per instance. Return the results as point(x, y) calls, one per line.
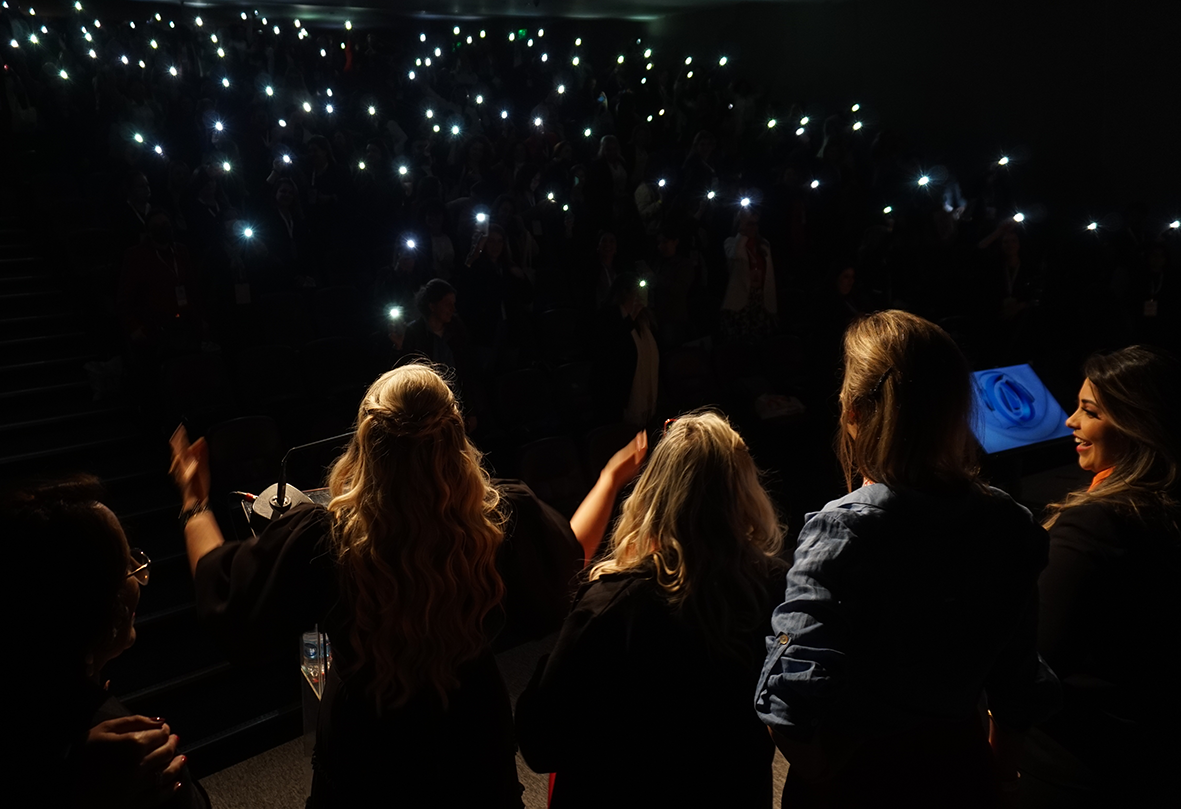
point(192, 511)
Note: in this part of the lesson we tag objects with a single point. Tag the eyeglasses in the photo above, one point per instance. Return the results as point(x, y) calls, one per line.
point(140, 566)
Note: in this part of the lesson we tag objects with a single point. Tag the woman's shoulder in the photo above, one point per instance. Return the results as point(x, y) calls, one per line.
point(1115, 523)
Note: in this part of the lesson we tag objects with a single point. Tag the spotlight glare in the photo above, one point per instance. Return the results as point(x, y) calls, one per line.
point(142, 64)
point(287, 159)
point(541, 32)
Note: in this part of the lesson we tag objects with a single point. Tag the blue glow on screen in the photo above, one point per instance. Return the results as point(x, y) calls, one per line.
point(1014, 409)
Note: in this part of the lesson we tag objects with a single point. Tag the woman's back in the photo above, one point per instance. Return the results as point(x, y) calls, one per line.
point(633, 709)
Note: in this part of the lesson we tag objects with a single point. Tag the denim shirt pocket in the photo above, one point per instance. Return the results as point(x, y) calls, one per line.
point(781, 643)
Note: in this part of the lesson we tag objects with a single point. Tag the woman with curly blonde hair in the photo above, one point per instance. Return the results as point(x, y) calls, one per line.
point(662, 649)
point(404, 572)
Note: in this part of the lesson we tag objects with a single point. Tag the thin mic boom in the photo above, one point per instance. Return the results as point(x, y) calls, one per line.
point(280, 502)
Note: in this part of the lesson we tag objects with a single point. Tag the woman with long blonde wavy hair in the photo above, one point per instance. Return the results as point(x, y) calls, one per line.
point(406, 571)
point(662, 649)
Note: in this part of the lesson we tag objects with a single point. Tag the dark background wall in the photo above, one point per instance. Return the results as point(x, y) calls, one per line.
point(1091, 88)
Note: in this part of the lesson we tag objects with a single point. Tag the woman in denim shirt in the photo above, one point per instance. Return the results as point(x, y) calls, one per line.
point(911, 603)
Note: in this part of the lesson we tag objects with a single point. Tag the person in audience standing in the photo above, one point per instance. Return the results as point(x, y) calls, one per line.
point(748, 310)
point(80, 746)
point(1109, 597)
point(645, 699)
point(409, 572)
point(625, 371)
point(910, 602)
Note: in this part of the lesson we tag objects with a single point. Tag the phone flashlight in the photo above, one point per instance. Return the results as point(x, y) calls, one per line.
point(857, 125)
point(586, 132)
point(248, 233)
point(1175, 224)
point(159, 150)
point(479, 99)
point(328, 108)
point(643, 283)
point(1018, 217)
point(411, 244)
point(771, 123)
point(395, 313)
point(745, 202)
point(361, 165)
point(225, 82)
point(138, 137)
point(225, 166)
point(855, 107)
point(888, 210)
point(402, 170)
point(455, 130)
point(799, 131)
point(503, 114)
point(711, 195)
point(661, 183)
point(282, 123)
point(481, 218)
point(372, 110)
point(307, 107)
point(287, 159)
point(815, 183)
point(561, 89)
point(270, 90)
point(1004, 161)
point(537, 122)
point(924, 180)
point(1093, 226)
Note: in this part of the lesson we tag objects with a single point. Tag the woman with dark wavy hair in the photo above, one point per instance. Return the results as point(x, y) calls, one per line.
point(1110, 604)
point(409, 571)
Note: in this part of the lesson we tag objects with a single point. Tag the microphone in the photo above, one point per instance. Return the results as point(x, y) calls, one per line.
point(276, 500)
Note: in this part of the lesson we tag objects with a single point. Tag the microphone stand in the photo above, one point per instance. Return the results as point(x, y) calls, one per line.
point(276, 500)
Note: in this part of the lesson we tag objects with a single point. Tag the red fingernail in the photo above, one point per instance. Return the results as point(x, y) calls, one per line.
point(183, 759)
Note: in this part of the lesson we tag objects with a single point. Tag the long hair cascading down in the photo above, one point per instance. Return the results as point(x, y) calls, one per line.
point(416, 529)
point(907, 393)
point(701, 524)
point(1138, 389)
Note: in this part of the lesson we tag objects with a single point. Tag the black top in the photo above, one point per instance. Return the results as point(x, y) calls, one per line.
point(259, 595)
point(1110, 608)
point(631, 709)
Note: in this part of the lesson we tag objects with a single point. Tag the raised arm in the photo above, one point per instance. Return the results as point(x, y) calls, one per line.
point(190, 470)
point(589, 522)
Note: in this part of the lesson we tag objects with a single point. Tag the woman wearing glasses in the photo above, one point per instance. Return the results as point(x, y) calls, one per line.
point(82, 746)
point(910, 602)
point(645, 700)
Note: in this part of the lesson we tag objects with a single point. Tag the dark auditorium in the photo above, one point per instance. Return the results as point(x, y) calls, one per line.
point(557, 404)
